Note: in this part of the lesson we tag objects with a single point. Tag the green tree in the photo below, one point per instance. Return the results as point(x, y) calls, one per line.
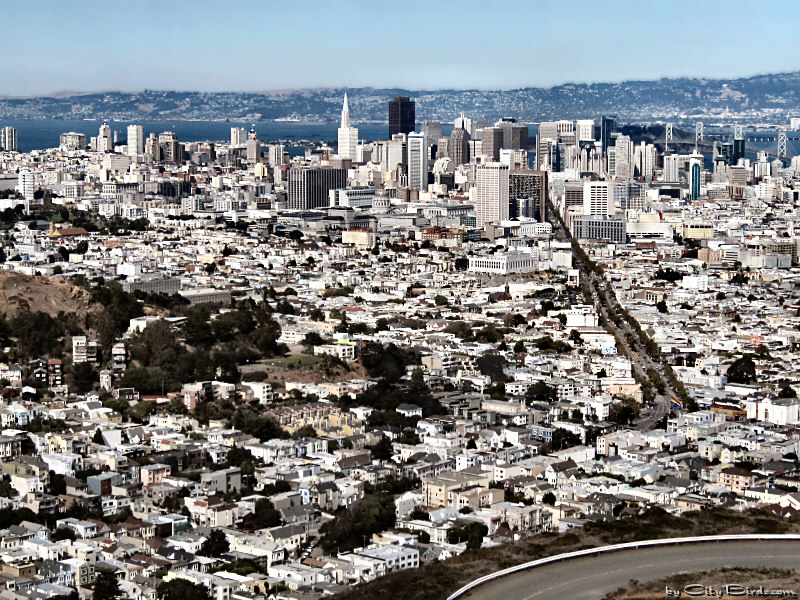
point(661, 306)
point(742, 370)
point(441, 300)
point(106, 586)
point(182, 589)
point(519, 347)
point(216, 544)
point(383, 449)
point(541, 392)
point(266, 515)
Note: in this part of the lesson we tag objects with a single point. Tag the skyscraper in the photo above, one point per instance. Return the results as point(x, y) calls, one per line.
point(532, 185)
point(671, 168)
point(608, 125)
point(238, 136)
point(8, 139)
point(402, 115)
point(417, 161)
point(598, 198)
point(26, 185)
point(135, 140)
point(491, 142)
point(585, 129)
point(623, 157)
point(309, 186)
point(104, 143)
point(491, 193)
point(458, 146)
point(348, 136)
point(695, 162)
point(432, 131)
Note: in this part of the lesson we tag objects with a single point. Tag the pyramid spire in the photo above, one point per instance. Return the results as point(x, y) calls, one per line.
point(345, 113)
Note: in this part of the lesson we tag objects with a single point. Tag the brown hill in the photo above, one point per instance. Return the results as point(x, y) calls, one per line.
point(40, 293)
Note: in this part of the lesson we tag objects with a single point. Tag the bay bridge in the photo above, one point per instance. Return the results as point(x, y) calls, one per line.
point(774, 143)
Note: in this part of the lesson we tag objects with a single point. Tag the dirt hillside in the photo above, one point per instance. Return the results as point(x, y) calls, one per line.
point(40, 293)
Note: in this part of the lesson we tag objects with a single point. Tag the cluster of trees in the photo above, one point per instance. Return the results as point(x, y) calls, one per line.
point(353, 527)
point(36, 333)
point(471, 532)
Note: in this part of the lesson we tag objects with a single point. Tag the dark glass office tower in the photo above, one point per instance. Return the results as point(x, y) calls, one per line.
point(402, 115)
point(608, 125)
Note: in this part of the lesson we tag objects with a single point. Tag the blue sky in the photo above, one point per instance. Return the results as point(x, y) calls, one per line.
point(93, 45)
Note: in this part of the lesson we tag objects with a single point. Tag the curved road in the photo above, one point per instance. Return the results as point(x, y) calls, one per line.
point(592, 578)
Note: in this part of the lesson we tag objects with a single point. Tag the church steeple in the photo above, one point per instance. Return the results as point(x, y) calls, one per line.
point(345, 113)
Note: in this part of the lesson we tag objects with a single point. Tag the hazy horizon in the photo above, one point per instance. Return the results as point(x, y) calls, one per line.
point(90, 45)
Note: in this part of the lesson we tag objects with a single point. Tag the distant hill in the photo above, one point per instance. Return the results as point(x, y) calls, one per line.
point(759, 99)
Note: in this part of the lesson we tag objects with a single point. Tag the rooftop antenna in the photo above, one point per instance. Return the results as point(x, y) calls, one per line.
point(667, 137)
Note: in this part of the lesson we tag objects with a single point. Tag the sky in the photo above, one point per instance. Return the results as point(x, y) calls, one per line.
point(97, 45)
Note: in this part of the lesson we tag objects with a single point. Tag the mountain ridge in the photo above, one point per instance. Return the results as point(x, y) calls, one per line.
point(766, 98)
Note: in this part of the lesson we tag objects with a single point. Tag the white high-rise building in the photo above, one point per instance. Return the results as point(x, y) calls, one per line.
point(26, 184)
point(646, 160)
point(623, 164)
point(598, 198)
point(585, 130)
point(348, 136)
point(417, 161)
point(8, 139)
point(238, 136)
point(671, 168)
point(104, 142)
point(135, 140)
point(491, 193)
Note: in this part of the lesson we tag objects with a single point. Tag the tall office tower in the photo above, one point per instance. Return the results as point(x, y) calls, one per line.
point(153, 148)
point(525, 183)
point(72, 141)
point(309, 185)
point(458, 146)
point(672, 168)
point(348, 136)
point(8, 139)
point(491, 142)
point(491, 193)
point(738, 149)
point(585, 130)
point(608, 125)
point(396, 153)
point(432, 131)
point(417, 161)
point(646, 160)
point(515, 137)
point(402, 115)
point(551, 134)
point(238, 136)
point(464, 123)
point(695, 170)
point(253, 146)
point(104, 143)
point(598, 198)
point(171, 150)
point(275, 154)
point(135, 140)
point(624, 157)
point(26, 185)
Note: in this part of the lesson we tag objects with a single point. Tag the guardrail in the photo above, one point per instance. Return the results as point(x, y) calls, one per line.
point(616, 548)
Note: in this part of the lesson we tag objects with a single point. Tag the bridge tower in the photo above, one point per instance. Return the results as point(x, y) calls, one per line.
point(738, 132)
point(782, 140)
point(698, 133)
point(667, 137)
